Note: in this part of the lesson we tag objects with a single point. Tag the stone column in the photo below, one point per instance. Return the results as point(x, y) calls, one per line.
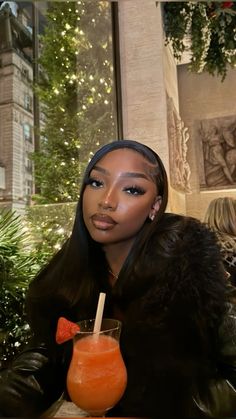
point(143, 89)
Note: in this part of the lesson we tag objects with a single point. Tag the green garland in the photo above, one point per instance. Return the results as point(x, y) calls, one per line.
point(207, 30)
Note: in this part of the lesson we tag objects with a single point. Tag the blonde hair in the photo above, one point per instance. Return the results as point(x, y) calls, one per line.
point(221, 215)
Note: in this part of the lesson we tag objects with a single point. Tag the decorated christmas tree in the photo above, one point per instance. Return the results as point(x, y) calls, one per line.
point(76, 95)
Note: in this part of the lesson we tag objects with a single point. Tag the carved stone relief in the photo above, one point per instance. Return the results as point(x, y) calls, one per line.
point(217, 142)
point(178, 137)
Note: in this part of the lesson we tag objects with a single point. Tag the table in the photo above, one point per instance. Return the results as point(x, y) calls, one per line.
point(65, 409)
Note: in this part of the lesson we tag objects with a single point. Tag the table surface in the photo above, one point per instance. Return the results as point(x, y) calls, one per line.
point(65, 409)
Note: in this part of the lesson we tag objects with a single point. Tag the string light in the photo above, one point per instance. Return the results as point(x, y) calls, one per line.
point(91, 78)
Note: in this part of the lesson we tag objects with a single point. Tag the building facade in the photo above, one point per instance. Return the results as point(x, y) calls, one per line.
point(16, 108)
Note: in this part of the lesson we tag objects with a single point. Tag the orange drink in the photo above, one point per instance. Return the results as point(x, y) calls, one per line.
point(97, 376)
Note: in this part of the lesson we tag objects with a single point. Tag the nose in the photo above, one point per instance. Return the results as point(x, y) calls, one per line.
point(108, 201)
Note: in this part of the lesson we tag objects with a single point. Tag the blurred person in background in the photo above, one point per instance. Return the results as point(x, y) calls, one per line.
point(221, 217)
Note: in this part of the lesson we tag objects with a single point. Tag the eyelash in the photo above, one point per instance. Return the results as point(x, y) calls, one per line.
point(136, 190)
point(131, 190)
point(97, 183)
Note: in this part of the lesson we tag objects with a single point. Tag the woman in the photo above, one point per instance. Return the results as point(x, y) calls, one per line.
point(164, 280)
point(221, 218)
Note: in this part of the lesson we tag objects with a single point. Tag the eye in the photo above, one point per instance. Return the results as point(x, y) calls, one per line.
point(134, 190)
point(95, 183)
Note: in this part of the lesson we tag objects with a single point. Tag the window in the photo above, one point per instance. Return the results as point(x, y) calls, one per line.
point(2, 178)
point(29, 187)
point(28, 164)
point(27, 133)
point(28, 102)
point(77, 90)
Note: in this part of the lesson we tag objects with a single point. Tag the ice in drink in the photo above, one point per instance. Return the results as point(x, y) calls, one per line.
point(97, 375)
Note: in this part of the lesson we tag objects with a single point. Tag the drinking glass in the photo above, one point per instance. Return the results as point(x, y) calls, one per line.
point(97, 375)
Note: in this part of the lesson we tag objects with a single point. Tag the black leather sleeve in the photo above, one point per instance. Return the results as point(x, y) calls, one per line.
point(31, 384)
point(219, 401)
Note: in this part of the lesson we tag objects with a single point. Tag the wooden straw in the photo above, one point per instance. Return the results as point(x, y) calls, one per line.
point(99, 313)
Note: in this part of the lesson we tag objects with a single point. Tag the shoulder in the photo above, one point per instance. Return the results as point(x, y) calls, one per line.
point(182, 222)
point(185, 257)
point(185, 239)
point(185, 234)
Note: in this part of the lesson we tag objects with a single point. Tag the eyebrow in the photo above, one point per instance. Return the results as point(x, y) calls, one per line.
point(124, 174)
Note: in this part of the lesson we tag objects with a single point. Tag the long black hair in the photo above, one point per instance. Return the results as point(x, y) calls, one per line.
point(79, 271)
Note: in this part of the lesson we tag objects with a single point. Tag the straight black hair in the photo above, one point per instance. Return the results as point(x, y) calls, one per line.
point(77, 273)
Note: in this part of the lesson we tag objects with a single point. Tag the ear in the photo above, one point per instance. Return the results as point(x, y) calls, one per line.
point(155, 207)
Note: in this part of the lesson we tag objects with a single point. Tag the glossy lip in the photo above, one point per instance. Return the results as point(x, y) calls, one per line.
point(103, 221)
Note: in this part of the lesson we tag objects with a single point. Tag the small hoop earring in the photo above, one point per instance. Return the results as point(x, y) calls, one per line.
point(152, 216)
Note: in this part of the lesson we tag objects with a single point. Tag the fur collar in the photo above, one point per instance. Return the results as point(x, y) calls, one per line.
point(179, 273)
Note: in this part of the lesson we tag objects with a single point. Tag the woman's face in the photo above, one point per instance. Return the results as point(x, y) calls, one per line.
point(120, 196)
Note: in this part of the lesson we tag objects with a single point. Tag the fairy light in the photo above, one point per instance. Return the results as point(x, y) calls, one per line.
point(60, 230)
point(93, 85)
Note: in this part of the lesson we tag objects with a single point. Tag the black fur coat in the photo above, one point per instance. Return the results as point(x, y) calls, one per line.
point(175, 302)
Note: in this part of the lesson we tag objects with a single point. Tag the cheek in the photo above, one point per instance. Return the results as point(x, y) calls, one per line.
point(135, 214)
point(87, 198)
point(86, 205)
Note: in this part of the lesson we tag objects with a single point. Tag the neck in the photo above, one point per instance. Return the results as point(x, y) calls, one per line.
point(116, 255)
point(113, 278)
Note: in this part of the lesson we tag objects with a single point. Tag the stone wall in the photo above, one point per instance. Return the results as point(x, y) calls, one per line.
point(147, 73)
